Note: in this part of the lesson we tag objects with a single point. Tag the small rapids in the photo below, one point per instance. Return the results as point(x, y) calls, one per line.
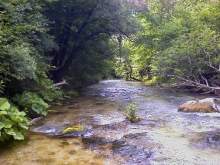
point(164, 136)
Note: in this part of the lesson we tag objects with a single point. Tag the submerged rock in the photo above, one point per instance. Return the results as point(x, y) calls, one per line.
point(35, 120)
point(205, 105)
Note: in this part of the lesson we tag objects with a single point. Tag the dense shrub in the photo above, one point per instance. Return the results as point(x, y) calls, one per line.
point(31, 103)
point(13, 123)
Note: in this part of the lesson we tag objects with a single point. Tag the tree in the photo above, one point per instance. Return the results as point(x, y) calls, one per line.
point(23, 36)
point(180, 44)
point(23, 65)
point(193, 57)
point(86, 27)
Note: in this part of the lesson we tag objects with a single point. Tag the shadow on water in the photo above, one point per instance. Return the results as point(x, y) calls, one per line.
point(127, 147)
point(133, 154)
point(94, 142)
point(209, 139)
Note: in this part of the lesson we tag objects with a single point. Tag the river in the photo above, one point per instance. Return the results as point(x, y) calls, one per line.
point(164, 136)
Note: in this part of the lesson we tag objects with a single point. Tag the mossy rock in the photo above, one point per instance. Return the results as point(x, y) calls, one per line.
point(76, 128)
point(128, 117)
point(134, 119)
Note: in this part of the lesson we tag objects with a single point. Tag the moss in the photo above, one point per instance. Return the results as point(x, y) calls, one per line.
point(128, 117)
point(133, 119)
point(77, 128)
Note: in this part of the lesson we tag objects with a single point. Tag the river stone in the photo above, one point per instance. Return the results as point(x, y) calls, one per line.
point(205, 105)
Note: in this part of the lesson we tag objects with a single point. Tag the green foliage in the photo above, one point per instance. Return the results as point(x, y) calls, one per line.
point(123, 62)
point(13, 123)
point(77, 37)
point(154, 80)
point(194, 46)
point(131, 109)
point(1, 87)
point(51, 94)
point(86, 32)
point(32, 103)
point(91, 66)
point(179, 41)
point(24, 43)
point(23, 65)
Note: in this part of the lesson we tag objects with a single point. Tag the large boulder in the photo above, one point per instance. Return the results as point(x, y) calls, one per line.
point(205, 105)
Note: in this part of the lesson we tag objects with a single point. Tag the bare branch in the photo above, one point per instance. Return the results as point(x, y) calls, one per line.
point(190, 83)
point(60, 83)
point(42, 89)
point(205, 80)
point(211, 66)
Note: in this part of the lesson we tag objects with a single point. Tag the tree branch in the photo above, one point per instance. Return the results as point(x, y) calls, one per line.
point(42, 89)
point(211, 66)
point(60, 83)
point(188, 82)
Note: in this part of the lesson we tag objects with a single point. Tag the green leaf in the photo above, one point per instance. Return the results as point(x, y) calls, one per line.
point(22, 125)
point(22, 114)
point(8, 123)
point(4, 137)
point(4, 105)
point(1, 125)
point(16, 118)
point(10, 131)
point(44, 112)
point(37, 108)
point(18, 135)
point(2, 113)
point(14, 109)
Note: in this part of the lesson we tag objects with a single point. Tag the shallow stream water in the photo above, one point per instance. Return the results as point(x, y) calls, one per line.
point(164, 136)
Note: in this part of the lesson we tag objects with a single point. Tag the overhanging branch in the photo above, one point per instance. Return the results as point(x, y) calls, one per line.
point(197, 85)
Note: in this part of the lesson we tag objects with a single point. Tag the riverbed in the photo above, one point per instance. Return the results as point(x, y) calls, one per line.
point(164, 136)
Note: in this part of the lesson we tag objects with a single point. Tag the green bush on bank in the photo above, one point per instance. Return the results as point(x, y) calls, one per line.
point(51, 94)
point(31, 103)
point(13, 123)
point(155, 80)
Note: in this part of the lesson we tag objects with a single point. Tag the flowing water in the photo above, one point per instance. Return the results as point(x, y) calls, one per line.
point(164, 136)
